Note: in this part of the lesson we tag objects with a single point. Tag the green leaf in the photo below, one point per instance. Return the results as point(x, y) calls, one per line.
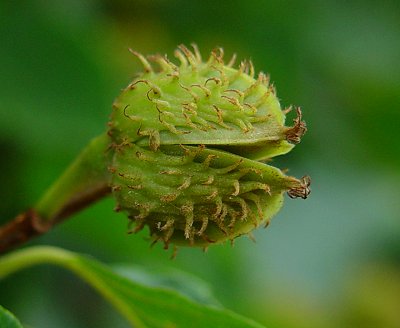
point(7, 319)
point(186, 284)
point(141, 304)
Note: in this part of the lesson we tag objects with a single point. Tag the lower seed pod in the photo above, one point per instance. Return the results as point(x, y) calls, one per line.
point(186, 145)
point(196, 196)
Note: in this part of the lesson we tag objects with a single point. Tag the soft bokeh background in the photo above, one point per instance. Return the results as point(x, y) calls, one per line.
point(330, 261)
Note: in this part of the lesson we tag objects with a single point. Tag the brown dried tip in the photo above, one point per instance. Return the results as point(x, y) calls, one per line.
point(302, 190)
point(299, 128)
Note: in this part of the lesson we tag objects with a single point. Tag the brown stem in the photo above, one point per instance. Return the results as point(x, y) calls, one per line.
point(21, 229)
point(30, 224)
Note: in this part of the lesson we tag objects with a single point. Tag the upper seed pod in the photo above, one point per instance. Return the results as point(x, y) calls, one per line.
point(186, 139)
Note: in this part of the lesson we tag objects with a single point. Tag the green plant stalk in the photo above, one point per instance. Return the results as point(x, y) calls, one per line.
point(84, 181)
point(26, 258)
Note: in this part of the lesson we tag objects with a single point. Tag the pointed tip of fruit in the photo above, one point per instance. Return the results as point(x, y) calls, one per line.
point(295, 133)
point(302, 189)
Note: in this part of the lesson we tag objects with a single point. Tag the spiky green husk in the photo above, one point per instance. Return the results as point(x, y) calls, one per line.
point(185, 140)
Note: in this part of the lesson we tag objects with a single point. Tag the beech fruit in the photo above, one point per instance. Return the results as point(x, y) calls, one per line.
point(188, 144)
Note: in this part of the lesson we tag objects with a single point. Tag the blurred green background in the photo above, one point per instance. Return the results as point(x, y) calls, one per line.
point(330, 261)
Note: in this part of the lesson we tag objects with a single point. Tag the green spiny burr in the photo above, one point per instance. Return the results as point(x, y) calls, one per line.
point(187, 141)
